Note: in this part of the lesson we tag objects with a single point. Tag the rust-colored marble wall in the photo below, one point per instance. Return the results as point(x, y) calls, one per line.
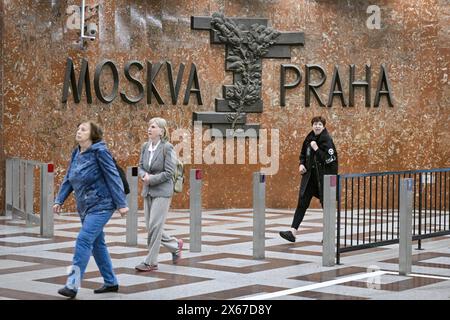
point(414, 43)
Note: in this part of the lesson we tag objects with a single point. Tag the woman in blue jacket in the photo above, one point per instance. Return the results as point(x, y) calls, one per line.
point(93, 176)
point(318, 157)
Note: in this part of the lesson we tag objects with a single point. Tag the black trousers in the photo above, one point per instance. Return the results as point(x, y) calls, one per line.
point(312, 190)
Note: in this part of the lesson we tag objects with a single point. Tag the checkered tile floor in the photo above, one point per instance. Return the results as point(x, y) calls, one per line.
point(32, 267)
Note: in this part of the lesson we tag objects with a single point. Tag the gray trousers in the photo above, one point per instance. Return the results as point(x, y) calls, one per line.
point(155, 211)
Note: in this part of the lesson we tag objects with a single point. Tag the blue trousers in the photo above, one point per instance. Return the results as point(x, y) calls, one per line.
point(91, 240)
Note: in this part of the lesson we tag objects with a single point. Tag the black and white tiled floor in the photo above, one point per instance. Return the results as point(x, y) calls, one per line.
point(32, 267)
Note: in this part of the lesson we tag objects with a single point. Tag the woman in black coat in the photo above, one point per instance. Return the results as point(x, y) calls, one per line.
point(318, 157)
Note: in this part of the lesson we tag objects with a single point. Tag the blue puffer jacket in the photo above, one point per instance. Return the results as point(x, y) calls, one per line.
point(94, 178)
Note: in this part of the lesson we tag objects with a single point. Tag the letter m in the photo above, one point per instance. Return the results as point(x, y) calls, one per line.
point(77, 88)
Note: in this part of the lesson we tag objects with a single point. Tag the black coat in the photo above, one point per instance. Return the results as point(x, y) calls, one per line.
point(323, 161)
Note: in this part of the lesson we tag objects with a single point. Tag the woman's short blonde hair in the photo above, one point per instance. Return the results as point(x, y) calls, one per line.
point(161, 123)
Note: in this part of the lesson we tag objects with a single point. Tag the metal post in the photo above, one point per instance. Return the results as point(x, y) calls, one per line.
point(405, 237)
point(29, 190)
point(132, 199)
point(338, 222)
point(259, 215)
point(8, 187)
point(195, 203)
point(329, 220)
point(47, 196)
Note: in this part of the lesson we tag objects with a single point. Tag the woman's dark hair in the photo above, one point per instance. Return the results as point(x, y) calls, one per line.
point(319, 119)
point(96, 131)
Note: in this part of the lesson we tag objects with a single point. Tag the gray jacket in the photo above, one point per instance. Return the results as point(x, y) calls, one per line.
point(161, 169)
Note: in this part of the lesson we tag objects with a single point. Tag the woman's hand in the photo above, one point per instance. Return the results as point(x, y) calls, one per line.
point(314, 145)
point(57, 208)
point(302, 169)
point(146, 179)
point(123, 211)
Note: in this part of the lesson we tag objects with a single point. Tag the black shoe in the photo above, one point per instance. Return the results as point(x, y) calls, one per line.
point(107, 289)
point(287, 235)
point(66, 292)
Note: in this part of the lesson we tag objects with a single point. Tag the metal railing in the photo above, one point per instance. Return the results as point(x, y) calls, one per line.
point(20, 175)
point(195, 205)
point(368, 208)
point(259, 215)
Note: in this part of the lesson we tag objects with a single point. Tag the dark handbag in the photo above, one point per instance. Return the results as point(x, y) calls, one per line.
point(123, 177)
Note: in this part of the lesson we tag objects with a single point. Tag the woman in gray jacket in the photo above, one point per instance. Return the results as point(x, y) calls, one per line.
point(156, 168)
